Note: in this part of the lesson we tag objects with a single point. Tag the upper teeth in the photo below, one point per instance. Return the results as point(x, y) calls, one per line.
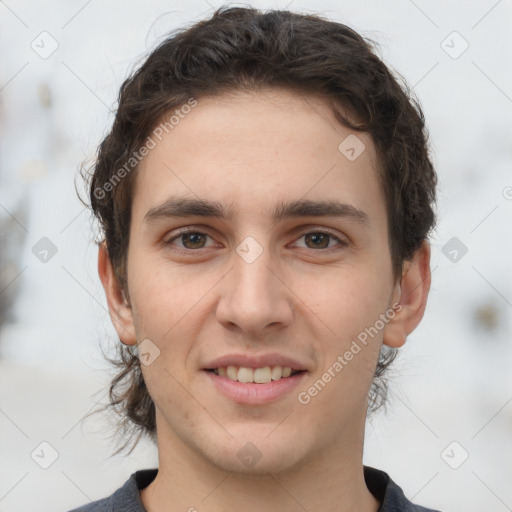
point(257, 375)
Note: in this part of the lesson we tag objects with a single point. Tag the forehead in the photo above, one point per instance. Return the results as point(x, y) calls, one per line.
point(247, 149)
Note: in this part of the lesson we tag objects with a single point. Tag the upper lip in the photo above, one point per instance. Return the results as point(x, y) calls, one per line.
point(255, 361)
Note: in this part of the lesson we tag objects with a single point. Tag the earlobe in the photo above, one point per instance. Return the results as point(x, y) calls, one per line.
point(412, 292)
point(119, 308)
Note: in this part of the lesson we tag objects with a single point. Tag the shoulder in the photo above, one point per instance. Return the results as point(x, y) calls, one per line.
point(126, 498)
point(390, 495)
point(96, 506)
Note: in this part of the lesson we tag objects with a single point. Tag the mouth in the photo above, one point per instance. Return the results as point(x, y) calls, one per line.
point(255, 386)
point(262, 375)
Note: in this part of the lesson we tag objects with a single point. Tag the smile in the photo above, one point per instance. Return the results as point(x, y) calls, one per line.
point(251, 392)
point(257, 375)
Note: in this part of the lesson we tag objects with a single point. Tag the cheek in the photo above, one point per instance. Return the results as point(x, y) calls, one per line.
point(167, 306)
point(346, 300)
point(346, 310)
point(159, 293)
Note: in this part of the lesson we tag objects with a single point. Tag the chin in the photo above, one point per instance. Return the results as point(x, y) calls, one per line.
point(274, 463)
point(258, 455)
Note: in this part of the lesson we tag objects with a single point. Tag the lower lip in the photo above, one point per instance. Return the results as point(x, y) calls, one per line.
point(251, 393)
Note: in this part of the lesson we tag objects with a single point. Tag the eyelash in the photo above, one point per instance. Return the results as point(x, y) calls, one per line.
point(189, 231)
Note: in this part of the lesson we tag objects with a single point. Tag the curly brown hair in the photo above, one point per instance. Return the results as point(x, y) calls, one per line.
point(247, 49)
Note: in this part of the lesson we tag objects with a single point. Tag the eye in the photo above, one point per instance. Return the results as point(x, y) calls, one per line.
point(193, 240)
point(321, 240)
point(190, 239)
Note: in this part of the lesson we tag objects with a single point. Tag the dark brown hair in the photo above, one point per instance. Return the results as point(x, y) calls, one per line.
point(247, 49)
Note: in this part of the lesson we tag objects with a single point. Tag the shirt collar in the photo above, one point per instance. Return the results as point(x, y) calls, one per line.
point(379, 483)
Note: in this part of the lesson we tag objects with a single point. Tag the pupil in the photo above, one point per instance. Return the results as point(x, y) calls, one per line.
point(194, 238)
point(316, 237)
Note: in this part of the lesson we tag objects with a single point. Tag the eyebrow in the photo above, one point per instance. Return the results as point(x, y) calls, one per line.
point(189, 207)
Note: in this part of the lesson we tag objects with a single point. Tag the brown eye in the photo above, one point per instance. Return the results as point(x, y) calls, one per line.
point(321, 240)
point(190, 240)
point(193, 240)
point(318, 240)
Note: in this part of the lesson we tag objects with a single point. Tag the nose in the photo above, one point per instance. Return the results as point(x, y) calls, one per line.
point(255, 297)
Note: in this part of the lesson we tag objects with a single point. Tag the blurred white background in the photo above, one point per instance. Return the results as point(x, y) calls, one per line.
point(452, 381)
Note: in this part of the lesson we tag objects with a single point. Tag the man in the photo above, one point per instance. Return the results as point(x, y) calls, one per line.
point(265, 196)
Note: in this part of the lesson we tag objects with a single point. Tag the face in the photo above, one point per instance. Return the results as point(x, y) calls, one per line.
point(256, 242)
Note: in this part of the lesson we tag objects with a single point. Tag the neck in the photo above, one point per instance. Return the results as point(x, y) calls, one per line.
point(187, 481)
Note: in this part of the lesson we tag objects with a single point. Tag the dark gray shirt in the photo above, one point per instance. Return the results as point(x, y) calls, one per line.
point(127, 497)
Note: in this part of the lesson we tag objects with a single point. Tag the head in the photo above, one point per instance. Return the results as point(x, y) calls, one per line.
point(253, 112)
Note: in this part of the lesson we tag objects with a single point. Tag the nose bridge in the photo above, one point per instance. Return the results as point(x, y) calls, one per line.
point(253, 296)
point(252, 275)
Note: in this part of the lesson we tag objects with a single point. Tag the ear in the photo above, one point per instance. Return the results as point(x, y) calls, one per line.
point(119, 308)
point(410, 295)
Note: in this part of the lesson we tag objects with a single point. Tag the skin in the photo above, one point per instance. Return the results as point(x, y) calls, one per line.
point(302, 297)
